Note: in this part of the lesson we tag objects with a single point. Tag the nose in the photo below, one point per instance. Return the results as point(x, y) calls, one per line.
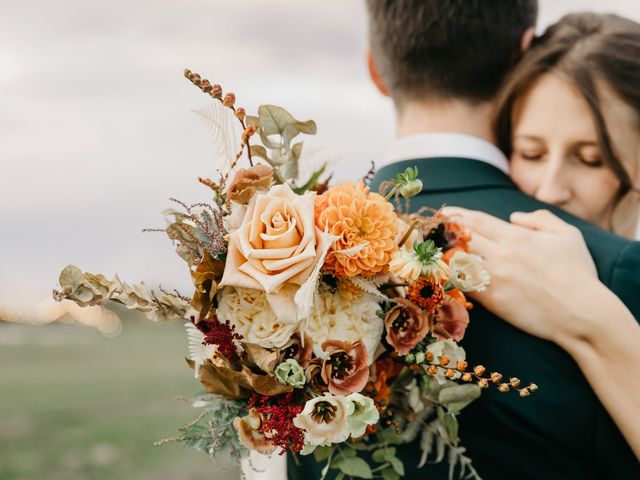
point(554, 187)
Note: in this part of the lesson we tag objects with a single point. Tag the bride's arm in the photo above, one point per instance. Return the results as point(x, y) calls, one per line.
point(544, 282)
point(607, 350)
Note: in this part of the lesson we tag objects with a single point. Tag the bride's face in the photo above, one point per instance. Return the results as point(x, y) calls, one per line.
point(556, 156)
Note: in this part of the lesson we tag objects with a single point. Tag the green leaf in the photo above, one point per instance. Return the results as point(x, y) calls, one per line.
point(259, 151)
point(274, 119)
point(344, 454)
point(397, 465)
point(355, 467)
point(296, 150)
point(312, 182)
point(390, 474)
point(449, 426)
point(390, 436)
point(379, 456)
point(383, 454)
point(264, 138)
point(322, 453)
point(457, 397)
point(308, 127)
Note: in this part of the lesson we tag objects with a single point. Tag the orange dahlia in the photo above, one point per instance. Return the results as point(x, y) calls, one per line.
point(361, 219)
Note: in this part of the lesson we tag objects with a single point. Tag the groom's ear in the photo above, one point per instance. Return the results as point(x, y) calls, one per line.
point(527, 37)
point(375, 75)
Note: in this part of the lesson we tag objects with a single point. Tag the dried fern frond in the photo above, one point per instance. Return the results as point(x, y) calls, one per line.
point(219, 122)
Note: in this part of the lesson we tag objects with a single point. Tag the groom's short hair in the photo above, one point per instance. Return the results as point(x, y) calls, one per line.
point(444, 49)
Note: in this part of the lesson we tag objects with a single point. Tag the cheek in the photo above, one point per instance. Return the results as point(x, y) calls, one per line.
point(597, 190)
point(526, 175)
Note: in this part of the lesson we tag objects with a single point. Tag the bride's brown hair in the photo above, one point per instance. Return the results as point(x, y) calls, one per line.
point(583, 48)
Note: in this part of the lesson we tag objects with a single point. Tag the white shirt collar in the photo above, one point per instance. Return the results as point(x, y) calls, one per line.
point(425, 145)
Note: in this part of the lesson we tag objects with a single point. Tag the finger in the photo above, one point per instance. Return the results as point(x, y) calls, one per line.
point(542, 220)
point(483, 246)
point(479, 222)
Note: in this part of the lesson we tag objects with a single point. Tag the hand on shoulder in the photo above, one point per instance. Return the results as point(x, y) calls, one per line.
point(543, 279)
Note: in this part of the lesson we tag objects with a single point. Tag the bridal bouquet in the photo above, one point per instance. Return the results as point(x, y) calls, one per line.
point(324, 317)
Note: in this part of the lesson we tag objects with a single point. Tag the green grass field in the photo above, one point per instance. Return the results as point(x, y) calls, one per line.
point(75, 405)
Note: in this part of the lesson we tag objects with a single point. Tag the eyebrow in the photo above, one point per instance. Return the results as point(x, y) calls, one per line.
point(582, 143)
point(528, 137)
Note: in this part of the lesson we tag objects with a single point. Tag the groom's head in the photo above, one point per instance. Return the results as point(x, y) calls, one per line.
point(446, 49)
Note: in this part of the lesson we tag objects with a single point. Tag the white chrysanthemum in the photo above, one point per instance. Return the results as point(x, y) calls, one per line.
point(325, 420)
point(250, 313)
point(468, 272)
point(408, 266)
point(335, 318)
point(452, 350)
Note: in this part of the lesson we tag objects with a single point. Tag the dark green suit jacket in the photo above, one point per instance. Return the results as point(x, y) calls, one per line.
point(562, 432)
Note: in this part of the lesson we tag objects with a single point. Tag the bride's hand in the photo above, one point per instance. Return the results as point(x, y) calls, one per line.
point(541, 270)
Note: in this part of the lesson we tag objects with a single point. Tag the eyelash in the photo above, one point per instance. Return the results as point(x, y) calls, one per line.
point(587, 163)
point(531, 158)
point(590, 163)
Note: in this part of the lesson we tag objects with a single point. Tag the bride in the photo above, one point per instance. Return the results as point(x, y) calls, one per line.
point(569, 119)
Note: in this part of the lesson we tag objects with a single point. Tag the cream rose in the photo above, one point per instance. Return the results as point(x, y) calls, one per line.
point(335, 318)
point(252, 317)
point(277, 245)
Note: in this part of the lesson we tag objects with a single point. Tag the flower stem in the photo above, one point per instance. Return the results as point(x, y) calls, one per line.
point(391, 192)
point(407, 234)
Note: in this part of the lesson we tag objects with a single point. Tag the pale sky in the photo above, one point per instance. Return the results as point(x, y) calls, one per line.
point(96, 128)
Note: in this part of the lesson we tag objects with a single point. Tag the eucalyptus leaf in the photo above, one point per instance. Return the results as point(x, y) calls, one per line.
point(383, 454)
point(259, 151)
point(308, 127)
point(397, 465)
point(457, 397)
point(390, 474)
point(289, 169)
point(322, 453)
point(296, 151)
point(274, 119)
point(355, 467)
point(267, 142)
point(344, 454)
point(390, 436)
point(379, 456)
point(449, 427)
point(88, 289)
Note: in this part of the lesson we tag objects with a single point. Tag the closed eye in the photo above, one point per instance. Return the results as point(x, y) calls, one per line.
point(531, 156)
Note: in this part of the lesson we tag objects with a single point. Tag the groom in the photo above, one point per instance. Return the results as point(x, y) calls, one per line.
point(442, 62)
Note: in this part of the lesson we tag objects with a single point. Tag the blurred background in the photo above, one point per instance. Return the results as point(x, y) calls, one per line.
point(96, 132)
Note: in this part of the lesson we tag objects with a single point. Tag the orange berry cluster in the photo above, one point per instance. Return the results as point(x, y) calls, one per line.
point(476, 374)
